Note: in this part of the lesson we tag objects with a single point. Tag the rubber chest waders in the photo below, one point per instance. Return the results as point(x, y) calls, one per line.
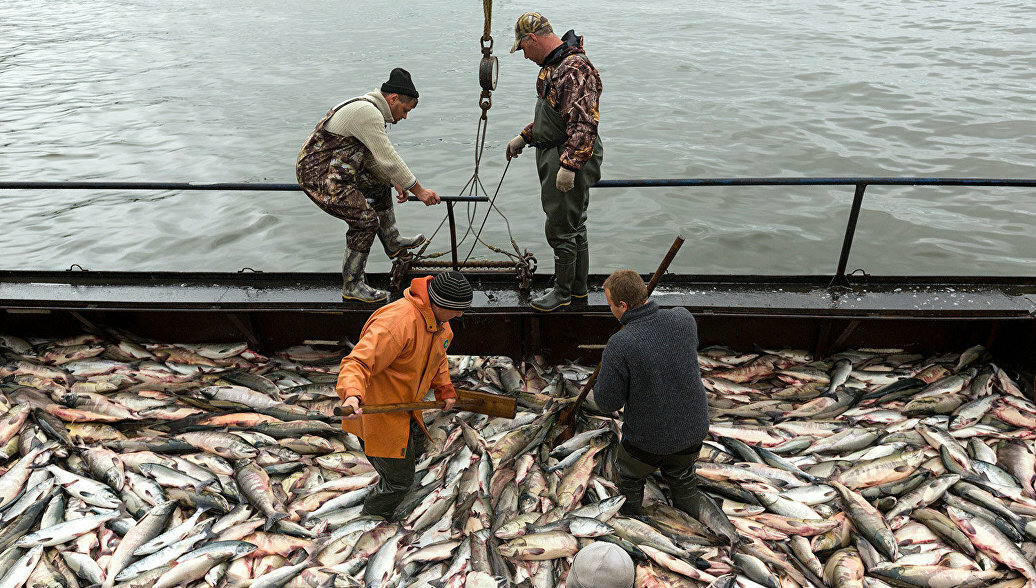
point(565, 227)
point(333, 171)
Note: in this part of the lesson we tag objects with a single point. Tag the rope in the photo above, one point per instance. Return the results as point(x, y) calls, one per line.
point(475, 183)
point(492, 206)
point(487, 7)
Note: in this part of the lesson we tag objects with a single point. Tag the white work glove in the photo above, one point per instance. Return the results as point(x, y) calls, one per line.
point(514, 147)
point(566, 179)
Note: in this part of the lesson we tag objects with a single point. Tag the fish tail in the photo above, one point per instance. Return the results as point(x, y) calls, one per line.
point(272, 520)
point(735, 544)
point(203, 484)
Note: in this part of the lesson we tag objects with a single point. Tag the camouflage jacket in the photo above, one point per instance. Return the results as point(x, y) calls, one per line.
point(574, 91)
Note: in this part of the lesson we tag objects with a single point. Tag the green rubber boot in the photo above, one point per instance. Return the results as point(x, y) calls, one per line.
point(561, 294)
point(354, 284)
point(388, 234)
point(580, 287)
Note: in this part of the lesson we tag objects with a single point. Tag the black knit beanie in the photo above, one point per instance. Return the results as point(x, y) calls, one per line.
point(399, 83)
point(450, 290)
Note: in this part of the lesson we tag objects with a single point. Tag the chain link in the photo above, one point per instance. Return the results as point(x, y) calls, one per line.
point(485, 102)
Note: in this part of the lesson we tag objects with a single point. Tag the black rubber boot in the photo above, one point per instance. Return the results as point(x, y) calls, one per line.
point(561, 294)
point(388, 234)
point(631, 476)
point(689, 501)
point(354, 284)
point(634, 504)
point(580, 288)
point(678, 472)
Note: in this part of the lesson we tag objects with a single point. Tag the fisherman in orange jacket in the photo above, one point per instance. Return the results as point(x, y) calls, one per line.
point(400, 355)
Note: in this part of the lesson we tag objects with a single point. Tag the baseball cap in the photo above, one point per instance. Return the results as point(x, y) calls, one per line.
point(528, 23)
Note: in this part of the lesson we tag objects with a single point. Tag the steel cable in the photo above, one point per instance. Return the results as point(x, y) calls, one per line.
point(474, 184)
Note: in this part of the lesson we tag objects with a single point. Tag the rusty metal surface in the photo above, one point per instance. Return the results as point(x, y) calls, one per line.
point(558, 337)
point(906, 297)
point(273, 311)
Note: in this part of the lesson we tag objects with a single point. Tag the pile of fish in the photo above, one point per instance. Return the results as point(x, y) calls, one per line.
point(134, 463)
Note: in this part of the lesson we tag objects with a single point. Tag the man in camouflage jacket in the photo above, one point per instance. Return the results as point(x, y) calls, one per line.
point(568, 148)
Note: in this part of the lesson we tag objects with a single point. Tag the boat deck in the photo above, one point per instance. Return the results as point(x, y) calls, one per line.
point(276, 310)
point(926, 297)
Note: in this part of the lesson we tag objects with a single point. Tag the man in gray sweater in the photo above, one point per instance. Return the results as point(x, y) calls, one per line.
point(348, 167)
point(650, 368)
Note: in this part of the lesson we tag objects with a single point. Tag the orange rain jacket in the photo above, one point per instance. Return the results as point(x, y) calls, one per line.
point(400, 355)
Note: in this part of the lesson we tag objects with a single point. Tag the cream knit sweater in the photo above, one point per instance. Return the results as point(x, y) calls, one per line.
point(367, 120)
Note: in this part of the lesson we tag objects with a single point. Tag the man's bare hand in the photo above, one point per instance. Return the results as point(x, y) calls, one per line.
point(427, 196)
point(401, 194)
point(449, 403)
point(352, 402)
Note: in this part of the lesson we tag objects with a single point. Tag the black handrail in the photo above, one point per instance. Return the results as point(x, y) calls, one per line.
point(188, 186)
point(850, 181)
point(839, 279)
point(639, 183)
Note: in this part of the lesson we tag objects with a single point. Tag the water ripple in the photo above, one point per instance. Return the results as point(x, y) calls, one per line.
point(173, 91)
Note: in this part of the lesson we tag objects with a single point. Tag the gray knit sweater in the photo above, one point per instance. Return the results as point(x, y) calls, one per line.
point(650, 367)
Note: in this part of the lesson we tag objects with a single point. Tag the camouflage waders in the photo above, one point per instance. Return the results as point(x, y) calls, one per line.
point(333, 171)
point(566, 211)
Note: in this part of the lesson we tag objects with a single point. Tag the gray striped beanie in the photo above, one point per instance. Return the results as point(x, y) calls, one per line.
point(450, 290)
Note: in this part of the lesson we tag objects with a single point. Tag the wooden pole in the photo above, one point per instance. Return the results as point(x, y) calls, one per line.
point(568, 415)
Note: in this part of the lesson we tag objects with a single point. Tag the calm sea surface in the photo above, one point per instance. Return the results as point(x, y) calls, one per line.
point(220, 91)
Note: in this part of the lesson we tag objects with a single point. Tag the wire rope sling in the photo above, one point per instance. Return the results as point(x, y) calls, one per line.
point(520, 264)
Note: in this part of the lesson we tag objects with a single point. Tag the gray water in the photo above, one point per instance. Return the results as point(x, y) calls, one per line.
point(215, 91)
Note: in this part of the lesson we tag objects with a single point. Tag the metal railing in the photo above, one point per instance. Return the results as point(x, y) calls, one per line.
point(225, 187)
point(839, 279)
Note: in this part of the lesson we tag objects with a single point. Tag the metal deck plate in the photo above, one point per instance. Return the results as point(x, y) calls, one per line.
point(903, 297)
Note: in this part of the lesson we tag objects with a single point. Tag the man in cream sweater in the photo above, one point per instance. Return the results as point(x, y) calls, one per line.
point(348, 167)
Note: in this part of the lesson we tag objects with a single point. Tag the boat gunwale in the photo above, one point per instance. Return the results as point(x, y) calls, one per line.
point(924, 297)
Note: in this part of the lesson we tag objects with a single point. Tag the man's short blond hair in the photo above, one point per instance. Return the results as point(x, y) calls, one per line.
point(626, 286)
